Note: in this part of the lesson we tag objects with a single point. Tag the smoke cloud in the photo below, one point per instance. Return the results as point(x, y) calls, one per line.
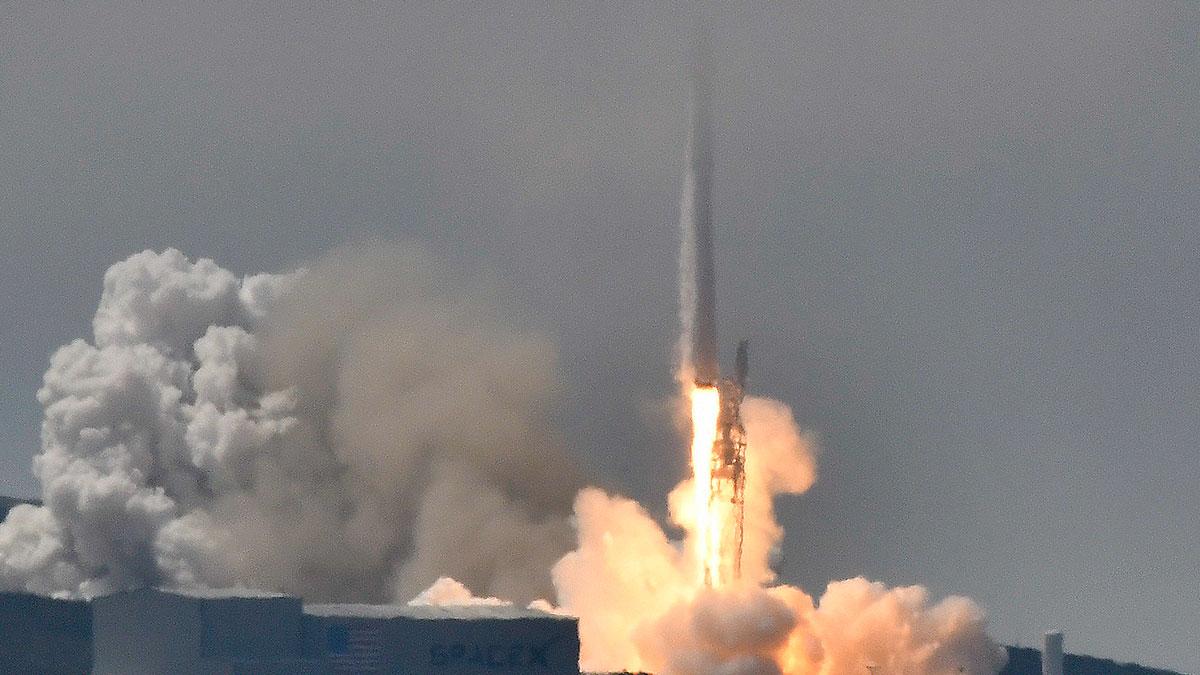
point(640, 606)
point(448, 592)
point(363, 430)
point(352, 431)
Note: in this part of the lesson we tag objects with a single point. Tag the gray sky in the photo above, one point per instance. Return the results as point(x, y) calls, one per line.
point(962, 238)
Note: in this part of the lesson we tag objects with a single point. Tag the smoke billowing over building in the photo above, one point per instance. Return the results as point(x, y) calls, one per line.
point(178, 632)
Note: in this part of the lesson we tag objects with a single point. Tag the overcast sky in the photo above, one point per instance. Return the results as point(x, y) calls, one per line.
point(962, 238)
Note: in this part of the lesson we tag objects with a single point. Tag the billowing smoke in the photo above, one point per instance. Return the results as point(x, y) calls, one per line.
point(352, 432)
point(364, 430)
point(448, 592)
point(641, 607)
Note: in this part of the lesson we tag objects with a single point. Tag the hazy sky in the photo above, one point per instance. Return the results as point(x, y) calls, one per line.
point(962, 237)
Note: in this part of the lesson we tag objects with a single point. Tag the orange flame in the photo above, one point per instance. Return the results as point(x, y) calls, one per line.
point(706, 408)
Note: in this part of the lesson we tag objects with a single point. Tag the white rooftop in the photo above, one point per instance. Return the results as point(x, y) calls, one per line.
point(220, 593)
point(459, 612)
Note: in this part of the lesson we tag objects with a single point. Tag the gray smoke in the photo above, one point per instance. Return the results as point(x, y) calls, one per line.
point(351, 432)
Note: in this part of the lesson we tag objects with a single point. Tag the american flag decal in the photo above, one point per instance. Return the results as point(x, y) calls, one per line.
point(355, 648)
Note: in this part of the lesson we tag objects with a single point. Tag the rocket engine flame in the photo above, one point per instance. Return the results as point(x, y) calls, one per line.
point(718, 458)
point(706, 408)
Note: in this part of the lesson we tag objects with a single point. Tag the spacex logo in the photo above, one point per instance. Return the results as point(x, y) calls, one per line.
point(493, 656)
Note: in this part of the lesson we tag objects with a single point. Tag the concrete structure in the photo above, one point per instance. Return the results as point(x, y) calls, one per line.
point(193, 631)
point(461, 640)
point(197, 631)
point(1052, 653)
point(44, 635)
point(241, 631)
point(1028, 661)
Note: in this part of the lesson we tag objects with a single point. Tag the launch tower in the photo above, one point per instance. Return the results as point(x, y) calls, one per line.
point(727, 474)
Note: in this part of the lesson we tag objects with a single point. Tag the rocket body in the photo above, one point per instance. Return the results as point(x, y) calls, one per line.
point(700, 164)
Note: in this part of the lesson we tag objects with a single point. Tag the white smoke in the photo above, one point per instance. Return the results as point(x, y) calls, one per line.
point(641, 606)
point(446, 592)
point(349, 432)
point(361, 430)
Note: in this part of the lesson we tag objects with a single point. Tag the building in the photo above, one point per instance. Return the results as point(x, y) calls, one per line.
point(157, 631)
point(44, 635)
point(459, 640)
point(198, 631)
point(242, 631)
point(1028, 661)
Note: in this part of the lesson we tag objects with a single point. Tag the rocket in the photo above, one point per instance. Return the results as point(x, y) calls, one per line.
point(699, 182)
point(698, 281)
